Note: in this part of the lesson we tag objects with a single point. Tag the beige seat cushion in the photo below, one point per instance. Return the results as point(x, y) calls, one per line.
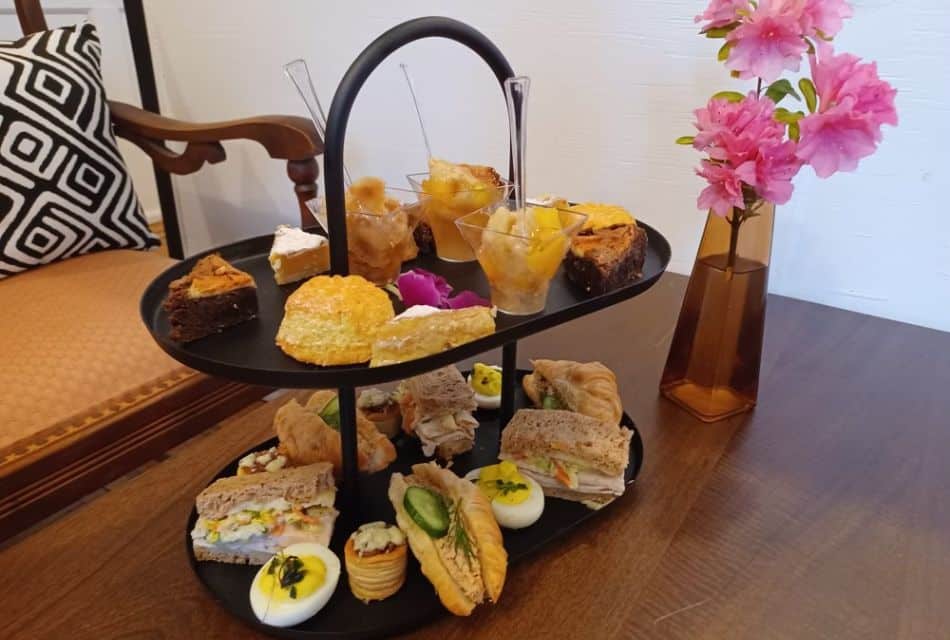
point(73, 349)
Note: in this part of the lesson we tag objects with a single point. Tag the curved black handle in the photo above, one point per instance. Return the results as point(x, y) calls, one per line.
point(365, 64)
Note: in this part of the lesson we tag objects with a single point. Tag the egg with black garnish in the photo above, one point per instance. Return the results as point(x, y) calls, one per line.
point(516, 500)
point(485, 381)
point(294, 584)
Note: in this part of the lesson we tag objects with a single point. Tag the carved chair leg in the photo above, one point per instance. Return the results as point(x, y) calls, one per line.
point(304, 175)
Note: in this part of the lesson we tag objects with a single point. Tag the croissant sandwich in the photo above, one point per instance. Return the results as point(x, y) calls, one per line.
point(589, 388)
point(453, 535)
point(311, 433)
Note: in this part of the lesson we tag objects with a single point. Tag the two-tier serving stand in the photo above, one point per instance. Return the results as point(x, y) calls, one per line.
point(247, 353)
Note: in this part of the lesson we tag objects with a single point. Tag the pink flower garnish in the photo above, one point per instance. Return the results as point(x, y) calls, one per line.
point(768, 42)
point(418, 286)
point(854, 104)
point(719, 13)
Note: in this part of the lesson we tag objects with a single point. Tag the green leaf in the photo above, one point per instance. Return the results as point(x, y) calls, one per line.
point(685, 140)
point(788, 117)
point(811, 96)
point(731, 96)
point(779, 89)
point(720, 32)
point(794, 132)
point(724, 52)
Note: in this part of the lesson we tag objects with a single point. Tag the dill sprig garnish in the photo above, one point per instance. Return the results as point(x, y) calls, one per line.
point(457, 533)
point(507, 486)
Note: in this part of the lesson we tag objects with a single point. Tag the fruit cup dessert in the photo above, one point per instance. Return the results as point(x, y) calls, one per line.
point(455, 190)
point(520, 251)
point(379, 228)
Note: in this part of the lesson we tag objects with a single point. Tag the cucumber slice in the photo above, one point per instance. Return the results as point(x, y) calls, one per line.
point(551, 402)
point(427, 509)
point(331, 413)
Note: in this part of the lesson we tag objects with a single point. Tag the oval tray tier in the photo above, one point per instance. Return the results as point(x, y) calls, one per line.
point(247, 352)
point(416, 603)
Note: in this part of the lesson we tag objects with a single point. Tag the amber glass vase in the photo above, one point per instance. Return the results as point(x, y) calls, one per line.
point(712, 370)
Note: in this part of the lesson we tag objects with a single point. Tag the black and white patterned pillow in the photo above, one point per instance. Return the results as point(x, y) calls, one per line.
point(64, 189)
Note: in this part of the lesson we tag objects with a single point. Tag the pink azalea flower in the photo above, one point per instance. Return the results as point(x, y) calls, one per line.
point(724, 191)
point(719, 13)
point(826, 16)
point(854, 104)
point(768, 42)
point(772, 171)
point(734, 131)
point(836, 139)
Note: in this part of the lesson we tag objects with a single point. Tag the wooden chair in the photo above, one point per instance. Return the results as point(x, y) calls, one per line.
point(82, 426)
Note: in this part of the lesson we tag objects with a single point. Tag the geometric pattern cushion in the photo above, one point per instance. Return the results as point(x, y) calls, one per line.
point(64, 189)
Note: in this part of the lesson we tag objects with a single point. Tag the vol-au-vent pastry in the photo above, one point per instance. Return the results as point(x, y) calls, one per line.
point(311, 434)
point(375, 557)
point(453, 535)
point(585, 387)
point(245, 519)
point(212, 297)
point(332, 320)
point(423, 331)
point(296, 254)
point(437, 408)
point(572, 456)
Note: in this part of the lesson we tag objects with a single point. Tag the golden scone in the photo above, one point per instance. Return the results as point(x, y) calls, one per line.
point(333, 320)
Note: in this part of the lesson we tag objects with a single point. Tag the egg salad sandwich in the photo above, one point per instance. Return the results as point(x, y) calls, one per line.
point(452, 533)
point(437, 407)
point(247, 519)
point(572, 456)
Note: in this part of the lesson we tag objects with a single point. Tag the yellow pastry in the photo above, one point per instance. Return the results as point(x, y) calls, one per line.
point(333, 320)
point(423, 331)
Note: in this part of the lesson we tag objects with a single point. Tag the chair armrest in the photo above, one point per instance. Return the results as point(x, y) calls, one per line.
point(284, 137)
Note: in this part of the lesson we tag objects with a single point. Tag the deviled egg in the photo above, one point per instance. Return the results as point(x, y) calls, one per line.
point(516, 500)
point(485, 380)
point(295, 584)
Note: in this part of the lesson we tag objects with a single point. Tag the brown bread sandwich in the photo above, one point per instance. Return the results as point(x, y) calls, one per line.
point(247, 519)
point(453, 535)
point(585, 387)
point(572, 456)
point(437, 407)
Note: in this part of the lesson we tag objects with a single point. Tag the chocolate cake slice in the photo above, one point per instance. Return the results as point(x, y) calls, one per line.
point(603, 259)
point(213, 297)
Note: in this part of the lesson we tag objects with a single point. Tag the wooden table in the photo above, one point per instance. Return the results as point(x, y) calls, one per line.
point(825, 514)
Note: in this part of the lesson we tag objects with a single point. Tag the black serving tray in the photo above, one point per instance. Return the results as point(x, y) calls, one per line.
point(416, 603)
point(247, 352)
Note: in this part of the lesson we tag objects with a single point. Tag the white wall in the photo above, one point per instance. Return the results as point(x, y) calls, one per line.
point(614, 83)
point(118, 71)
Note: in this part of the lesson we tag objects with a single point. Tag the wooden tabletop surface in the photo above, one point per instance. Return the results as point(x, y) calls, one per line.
point(824, 514)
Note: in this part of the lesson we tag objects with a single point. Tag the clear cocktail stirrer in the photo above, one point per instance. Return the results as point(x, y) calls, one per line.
point(415, 102)
point(516, 96)
point(299, 74)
